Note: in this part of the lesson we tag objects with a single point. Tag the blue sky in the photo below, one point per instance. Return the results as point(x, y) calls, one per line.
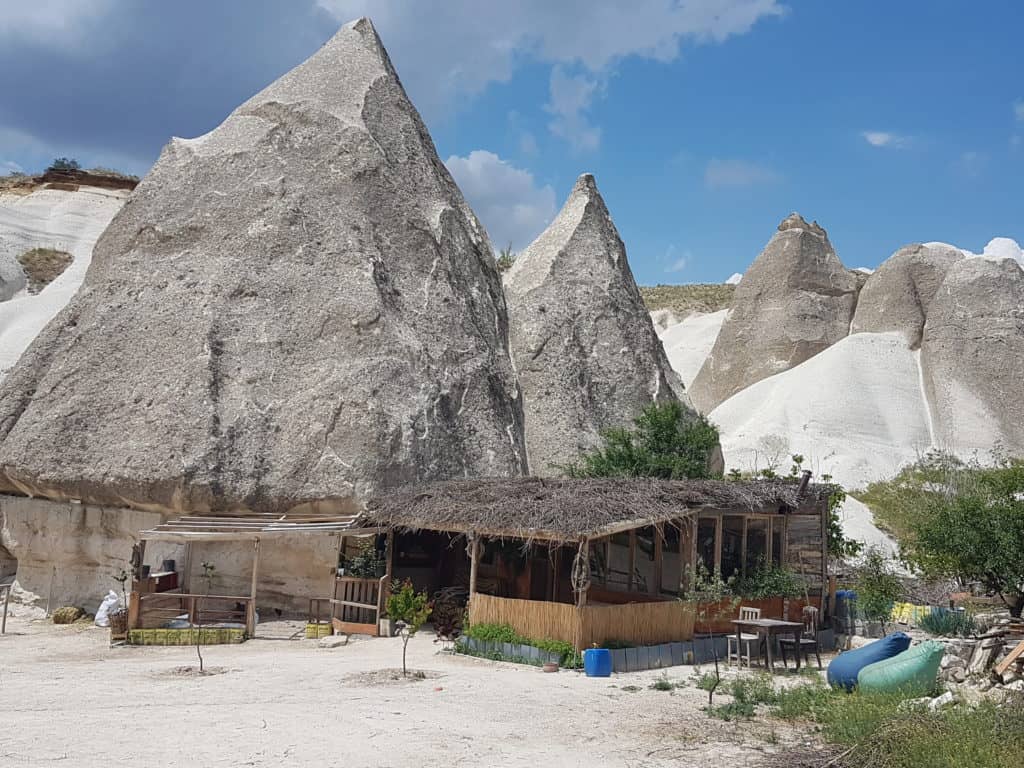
point(705, 122)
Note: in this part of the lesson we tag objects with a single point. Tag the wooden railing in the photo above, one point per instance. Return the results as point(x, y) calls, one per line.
point(155, 609)
point(356, 606)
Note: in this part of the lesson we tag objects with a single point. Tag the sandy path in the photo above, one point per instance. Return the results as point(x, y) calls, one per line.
point(70, 700)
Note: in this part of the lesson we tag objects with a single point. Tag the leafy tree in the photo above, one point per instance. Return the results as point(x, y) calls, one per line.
point(877, 585)
point(667, 442)
point(960, 521)
point(65, 164)
point(505, 258)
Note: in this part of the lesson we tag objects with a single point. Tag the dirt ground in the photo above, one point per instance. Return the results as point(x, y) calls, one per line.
point(69, 699)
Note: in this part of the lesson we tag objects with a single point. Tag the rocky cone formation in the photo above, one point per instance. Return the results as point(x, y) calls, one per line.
point(298, 307)
point(584, 346)
point(972, 356)
point(796, 299)
point(897, 296)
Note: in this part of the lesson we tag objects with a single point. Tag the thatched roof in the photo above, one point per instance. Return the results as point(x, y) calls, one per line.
point(562, 509)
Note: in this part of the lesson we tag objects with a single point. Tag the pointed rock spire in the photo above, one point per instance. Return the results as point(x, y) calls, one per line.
point(585, 349)
point(972, 358)
point(897, 295)
point(796, 299)
point(297, 308)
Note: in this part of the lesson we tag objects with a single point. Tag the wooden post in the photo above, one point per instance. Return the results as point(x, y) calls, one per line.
point(474, 558)
point(659, 531)
point(581, 569)
point(743, 547)
point(718, 545)
point(632, 560)
point(7, 599)
point(186, 574)
point(250, 613)
point(389, 557)
point(134, 610)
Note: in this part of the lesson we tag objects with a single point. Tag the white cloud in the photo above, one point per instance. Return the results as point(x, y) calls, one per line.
point(9, 166)
point(999, 248)
point(677, 264)
point(448, 51)
point(508, 200)
point(1018, 111)
point(885, 139)
point(527, 144)
point(570, 98)
point(52, 21)
point(972, 163)
point(737, 173)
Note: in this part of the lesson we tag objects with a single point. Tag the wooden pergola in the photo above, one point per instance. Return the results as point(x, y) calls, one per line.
point(250, 527)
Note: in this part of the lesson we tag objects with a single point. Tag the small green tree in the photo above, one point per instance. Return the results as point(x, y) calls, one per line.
point(706, 593)
point(410, 609)
point(667, 441)
point(877, 586)
point(65, 164)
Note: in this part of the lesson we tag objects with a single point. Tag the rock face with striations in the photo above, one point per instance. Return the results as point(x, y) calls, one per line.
point(584, 346)
point(972, 357)
point(796, 300)
point(297, 308)
point(896, 297)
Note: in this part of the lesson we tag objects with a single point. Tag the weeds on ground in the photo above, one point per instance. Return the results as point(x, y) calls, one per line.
point(881, 730)
point(747, 693)
point(664, 684)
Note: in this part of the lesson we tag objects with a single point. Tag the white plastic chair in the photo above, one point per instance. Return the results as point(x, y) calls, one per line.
point(746, 614)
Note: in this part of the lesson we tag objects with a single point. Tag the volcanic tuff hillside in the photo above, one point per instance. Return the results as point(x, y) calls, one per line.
point(42, 217)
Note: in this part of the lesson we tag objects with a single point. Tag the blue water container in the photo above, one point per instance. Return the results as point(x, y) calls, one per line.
point(597, 662)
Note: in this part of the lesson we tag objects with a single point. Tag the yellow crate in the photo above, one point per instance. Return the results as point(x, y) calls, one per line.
point(315, 631)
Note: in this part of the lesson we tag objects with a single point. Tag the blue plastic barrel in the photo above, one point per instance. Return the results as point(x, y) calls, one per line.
point(597, 662)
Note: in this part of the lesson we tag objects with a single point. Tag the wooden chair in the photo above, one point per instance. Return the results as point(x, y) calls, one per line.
point(746, 614)
point(808, 638)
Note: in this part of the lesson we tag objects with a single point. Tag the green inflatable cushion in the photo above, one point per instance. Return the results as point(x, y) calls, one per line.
point(912, 672)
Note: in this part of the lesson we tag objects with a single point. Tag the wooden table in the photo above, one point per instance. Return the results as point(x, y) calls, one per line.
point(769, 628)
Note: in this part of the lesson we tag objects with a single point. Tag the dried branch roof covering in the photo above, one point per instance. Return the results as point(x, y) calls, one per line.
point(562, 509)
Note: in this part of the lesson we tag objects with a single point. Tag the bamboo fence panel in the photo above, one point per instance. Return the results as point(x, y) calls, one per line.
point(532, 619)
point(635, 623)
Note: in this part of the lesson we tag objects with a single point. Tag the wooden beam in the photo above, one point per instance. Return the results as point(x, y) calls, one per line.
point(250, 610)
point(474, 560)
point(584, 558)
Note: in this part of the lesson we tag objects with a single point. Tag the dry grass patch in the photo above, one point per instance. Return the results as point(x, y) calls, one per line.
point(683, 300)
point(43, 265)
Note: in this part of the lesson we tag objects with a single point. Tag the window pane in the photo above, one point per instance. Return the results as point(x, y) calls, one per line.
point(644, 573)
point(732, 546)
point(757, 544)
point(618, 562)
point(706, 543)
point(671, 562)
point(778, 535)
point(599, 562)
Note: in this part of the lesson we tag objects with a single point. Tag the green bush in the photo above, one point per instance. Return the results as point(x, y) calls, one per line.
point(947, 623)
point(667, 441)
point(503, 633)
point(769, 580)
